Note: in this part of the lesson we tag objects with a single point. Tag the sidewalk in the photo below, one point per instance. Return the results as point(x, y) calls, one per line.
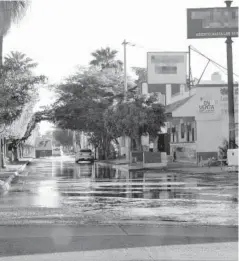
point(197, 252)
point(180, 167)
point(133, 242)
point(115, 162)
point(10, 172)
point(183, 167)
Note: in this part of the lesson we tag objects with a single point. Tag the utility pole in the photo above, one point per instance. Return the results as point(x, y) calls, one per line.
point(189, 69)
point(232, 131)
point(74, 140)
point(125, 71)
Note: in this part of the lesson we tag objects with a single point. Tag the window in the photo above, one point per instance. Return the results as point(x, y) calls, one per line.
point(188, 136)
point(182, 130)
point(192, 134)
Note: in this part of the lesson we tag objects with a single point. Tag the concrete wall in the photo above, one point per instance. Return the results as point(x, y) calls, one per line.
point(211, 125)
point(125, 146)
point(211, 135)
point(172, 92)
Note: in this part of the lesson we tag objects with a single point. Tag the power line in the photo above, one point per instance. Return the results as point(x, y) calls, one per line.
point(214, 62)
point(220, 69)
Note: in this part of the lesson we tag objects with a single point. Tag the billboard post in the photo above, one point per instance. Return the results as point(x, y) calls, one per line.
point(232, 131)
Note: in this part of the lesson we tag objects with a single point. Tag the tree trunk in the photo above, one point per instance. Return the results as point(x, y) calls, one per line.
point(138, 143)
point(1, 53)
point(2, 154)
point(15, 154)
point(106, 147)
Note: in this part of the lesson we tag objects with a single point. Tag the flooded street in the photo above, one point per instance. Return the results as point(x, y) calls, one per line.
point(59, 191)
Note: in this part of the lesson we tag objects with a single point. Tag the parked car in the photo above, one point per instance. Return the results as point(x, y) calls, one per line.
point(84, 155)
point(57, 151)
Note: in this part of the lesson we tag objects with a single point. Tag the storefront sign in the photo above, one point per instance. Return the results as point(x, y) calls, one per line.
point(218, 22)
point(207, 106)
point(167, 68)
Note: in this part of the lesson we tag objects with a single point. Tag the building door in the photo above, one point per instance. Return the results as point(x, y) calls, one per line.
point(188, 136)
point(164, 143)
point(193, 138)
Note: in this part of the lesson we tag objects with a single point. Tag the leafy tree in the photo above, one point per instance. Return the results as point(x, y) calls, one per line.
point(18, 85)
point(135, 118)
point(10, 11)
point(63, 137)
point(142, 75)
point(18, 95)
point(83, 99)
point(105, 58)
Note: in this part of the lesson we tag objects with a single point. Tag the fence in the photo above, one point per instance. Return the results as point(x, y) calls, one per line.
point(149, 159)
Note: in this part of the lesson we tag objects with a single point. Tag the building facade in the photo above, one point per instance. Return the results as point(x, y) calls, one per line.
point(203, 118)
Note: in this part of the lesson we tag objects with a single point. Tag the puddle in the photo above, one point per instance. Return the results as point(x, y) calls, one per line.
point(89, 188)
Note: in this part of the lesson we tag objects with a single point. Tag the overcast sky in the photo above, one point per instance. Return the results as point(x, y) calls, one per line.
point(60, 34)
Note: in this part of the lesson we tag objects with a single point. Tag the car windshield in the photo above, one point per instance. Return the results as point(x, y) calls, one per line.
point(86, 151)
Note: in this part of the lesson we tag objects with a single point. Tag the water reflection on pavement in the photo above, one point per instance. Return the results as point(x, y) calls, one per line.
point(56, 190)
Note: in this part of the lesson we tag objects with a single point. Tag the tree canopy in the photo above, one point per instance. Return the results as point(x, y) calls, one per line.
point(139, 116)
point(91, 100)
point(63, 137)
point(106, 58)
point(18, 84)
point(11, 11)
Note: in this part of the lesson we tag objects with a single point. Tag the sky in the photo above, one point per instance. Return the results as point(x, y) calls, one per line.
point(61, 34)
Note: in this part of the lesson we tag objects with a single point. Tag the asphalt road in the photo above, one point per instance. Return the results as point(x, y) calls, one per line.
point(60, 206)
point(58, 191)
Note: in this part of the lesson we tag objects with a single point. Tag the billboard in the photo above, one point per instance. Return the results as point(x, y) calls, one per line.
point(218, 22)
point(167, 67)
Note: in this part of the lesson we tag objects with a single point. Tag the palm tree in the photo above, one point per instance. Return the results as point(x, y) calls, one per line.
point(18, 61)
point(105, 58)
point(10, 11)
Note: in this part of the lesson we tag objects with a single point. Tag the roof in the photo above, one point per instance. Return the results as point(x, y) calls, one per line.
point(174, 106)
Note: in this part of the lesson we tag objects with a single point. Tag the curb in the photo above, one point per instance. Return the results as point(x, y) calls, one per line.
point(5, 185)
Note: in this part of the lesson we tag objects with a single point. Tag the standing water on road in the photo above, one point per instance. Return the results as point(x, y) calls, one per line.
point(57, 190)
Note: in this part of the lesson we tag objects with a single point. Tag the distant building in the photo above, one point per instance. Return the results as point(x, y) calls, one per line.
point(199, 124)
point(43, 147)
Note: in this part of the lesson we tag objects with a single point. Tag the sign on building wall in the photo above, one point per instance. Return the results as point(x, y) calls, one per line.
point(207, 106)
point(167, 68)
point(218, 22)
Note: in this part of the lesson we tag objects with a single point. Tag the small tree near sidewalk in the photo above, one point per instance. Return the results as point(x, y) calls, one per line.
point(135, 118)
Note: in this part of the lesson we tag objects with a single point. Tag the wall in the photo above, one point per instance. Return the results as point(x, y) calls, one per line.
point(211, 135)
point(172, 92)
point(209, 105)
point(125, 147)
